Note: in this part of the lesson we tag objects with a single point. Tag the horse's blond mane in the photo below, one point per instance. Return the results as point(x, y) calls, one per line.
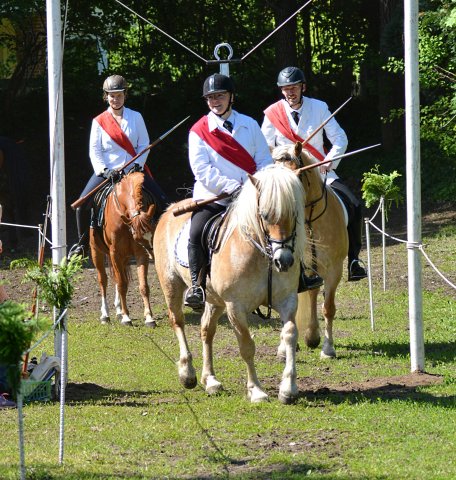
point(281, 196)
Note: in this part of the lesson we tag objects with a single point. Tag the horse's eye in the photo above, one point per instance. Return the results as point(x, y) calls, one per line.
point(264, 215)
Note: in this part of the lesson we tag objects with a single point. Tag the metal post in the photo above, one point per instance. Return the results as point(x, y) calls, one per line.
point(382, 202)
point(57, 165)
point(369, 274)
point(412, 123)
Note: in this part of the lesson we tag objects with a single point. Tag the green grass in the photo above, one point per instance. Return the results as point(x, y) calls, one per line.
point(128, 417)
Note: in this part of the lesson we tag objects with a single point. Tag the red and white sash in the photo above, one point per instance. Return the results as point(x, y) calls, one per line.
point(225, 145)
point(278, 117)
point(112, 128)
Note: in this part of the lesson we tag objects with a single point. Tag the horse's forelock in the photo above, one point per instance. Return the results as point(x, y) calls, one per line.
point(285, 154)
point(280, 194)
point(141, 224)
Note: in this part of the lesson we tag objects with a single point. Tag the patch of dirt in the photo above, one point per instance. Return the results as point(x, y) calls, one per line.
point(86, 302)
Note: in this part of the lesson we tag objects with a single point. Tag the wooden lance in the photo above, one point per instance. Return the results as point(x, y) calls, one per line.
point(189, 207)
point(81, 200)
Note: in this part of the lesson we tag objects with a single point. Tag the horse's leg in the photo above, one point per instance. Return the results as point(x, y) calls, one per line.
point(307, 319)
point(238, 319)
point(173, 289)
point(329, 311)
point(288, 391)
point(208, 327)
point(142, 267)
point(119, 268)
point(98, 259)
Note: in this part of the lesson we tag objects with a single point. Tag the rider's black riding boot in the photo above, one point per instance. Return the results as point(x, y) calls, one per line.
point(83, 221)
point(356, 269)
point(308, 283)
point(195, 296)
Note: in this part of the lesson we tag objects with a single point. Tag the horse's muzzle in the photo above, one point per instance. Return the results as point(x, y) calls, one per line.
point(283, 259)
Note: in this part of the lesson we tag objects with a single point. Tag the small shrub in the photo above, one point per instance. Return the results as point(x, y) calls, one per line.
point(377, 185)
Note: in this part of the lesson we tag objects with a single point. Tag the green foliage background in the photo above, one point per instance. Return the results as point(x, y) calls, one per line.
point(345, 47)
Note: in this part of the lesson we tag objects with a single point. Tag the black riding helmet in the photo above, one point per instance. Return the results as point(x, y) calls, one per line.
point(216, 83)
point(290, 76)
point(114, 83)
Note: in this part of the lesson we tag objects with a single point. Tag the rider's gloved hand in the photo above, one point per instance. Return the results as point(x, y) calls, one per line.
point(236, 191)
point(136, 168)
point(113, 175)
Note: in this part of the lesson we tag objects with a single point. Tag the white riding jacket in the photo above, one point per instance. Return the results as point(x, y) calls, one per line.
point(312, 114)
point(213, 173)
point(105, 153)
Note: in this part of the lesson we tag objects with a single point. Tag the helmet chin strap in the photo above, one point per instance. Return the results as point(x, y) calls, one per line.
point(300, 99)
point(227, 108)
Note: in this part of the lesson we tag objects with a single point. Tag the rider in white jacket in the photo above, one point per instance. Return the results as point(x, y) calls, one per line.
point(296, 117)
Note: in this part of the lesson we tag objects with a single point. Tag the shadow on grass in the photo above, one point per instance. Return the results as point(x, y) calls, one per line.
point(434, 351)
point(77, 393)
point(384, 393)
point(279, 472)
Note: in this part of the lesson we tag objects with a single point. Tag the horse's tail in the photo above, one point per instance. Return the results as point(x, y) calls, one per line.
point(306, 319)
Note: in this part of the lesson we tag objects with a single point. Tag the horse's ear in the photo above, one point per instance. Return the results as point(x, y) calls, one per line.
point(297, 149)
point(254, 180)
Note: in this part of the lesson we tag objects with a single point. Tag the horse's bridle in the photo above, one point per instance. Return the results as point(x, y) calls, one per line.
point(271, 246)
point(129, 222)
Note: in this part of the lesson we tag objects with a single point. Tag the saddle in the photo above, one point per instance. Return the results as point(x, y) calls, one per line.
point(100, 199)
point(210, 239)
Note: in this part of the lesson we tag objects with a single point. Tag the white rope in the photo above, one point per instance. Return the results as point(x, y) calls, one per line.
point(46, 334)
point(380, 204)
point(384, 233)
point(412, 245)
point(421, 248)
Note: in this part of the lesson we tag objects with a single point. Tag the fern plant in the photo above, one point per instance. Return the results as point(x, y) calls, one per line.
point(376, 185)
point(55, 282)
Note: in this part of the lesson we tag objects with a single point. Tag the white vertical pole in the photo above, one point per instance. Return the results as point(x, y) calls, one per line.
point(57, 175)
point(56, 141)
point(369, 274)
point(412, 119)
point(382, 200)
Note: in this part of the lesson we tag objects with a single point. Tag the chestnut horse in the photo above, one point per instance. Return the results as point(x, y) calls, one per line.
point(263, 236)
point(127, 232)
point(327, 228)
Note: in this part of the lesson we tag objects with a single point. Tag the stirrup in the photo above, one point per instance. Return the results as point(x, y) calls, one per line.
point(76, 249)
point(309, 283)
point(195, 297)
point(357, 270)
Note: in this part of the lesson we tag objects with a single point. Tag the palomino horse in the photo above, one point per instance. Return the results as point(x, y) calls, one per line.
point(127, 231)
point(263, 235)
point(326, 224)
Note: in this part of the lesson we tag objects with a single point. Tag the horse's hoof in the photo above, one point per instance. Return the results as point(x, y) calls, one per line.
point(127, 323)
point(312, 342)
point(287, 399)
point(329, 354)
point(150, 323)
point(213, 386)
point(105, 320)
point(188, 383)
point(257, 396)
